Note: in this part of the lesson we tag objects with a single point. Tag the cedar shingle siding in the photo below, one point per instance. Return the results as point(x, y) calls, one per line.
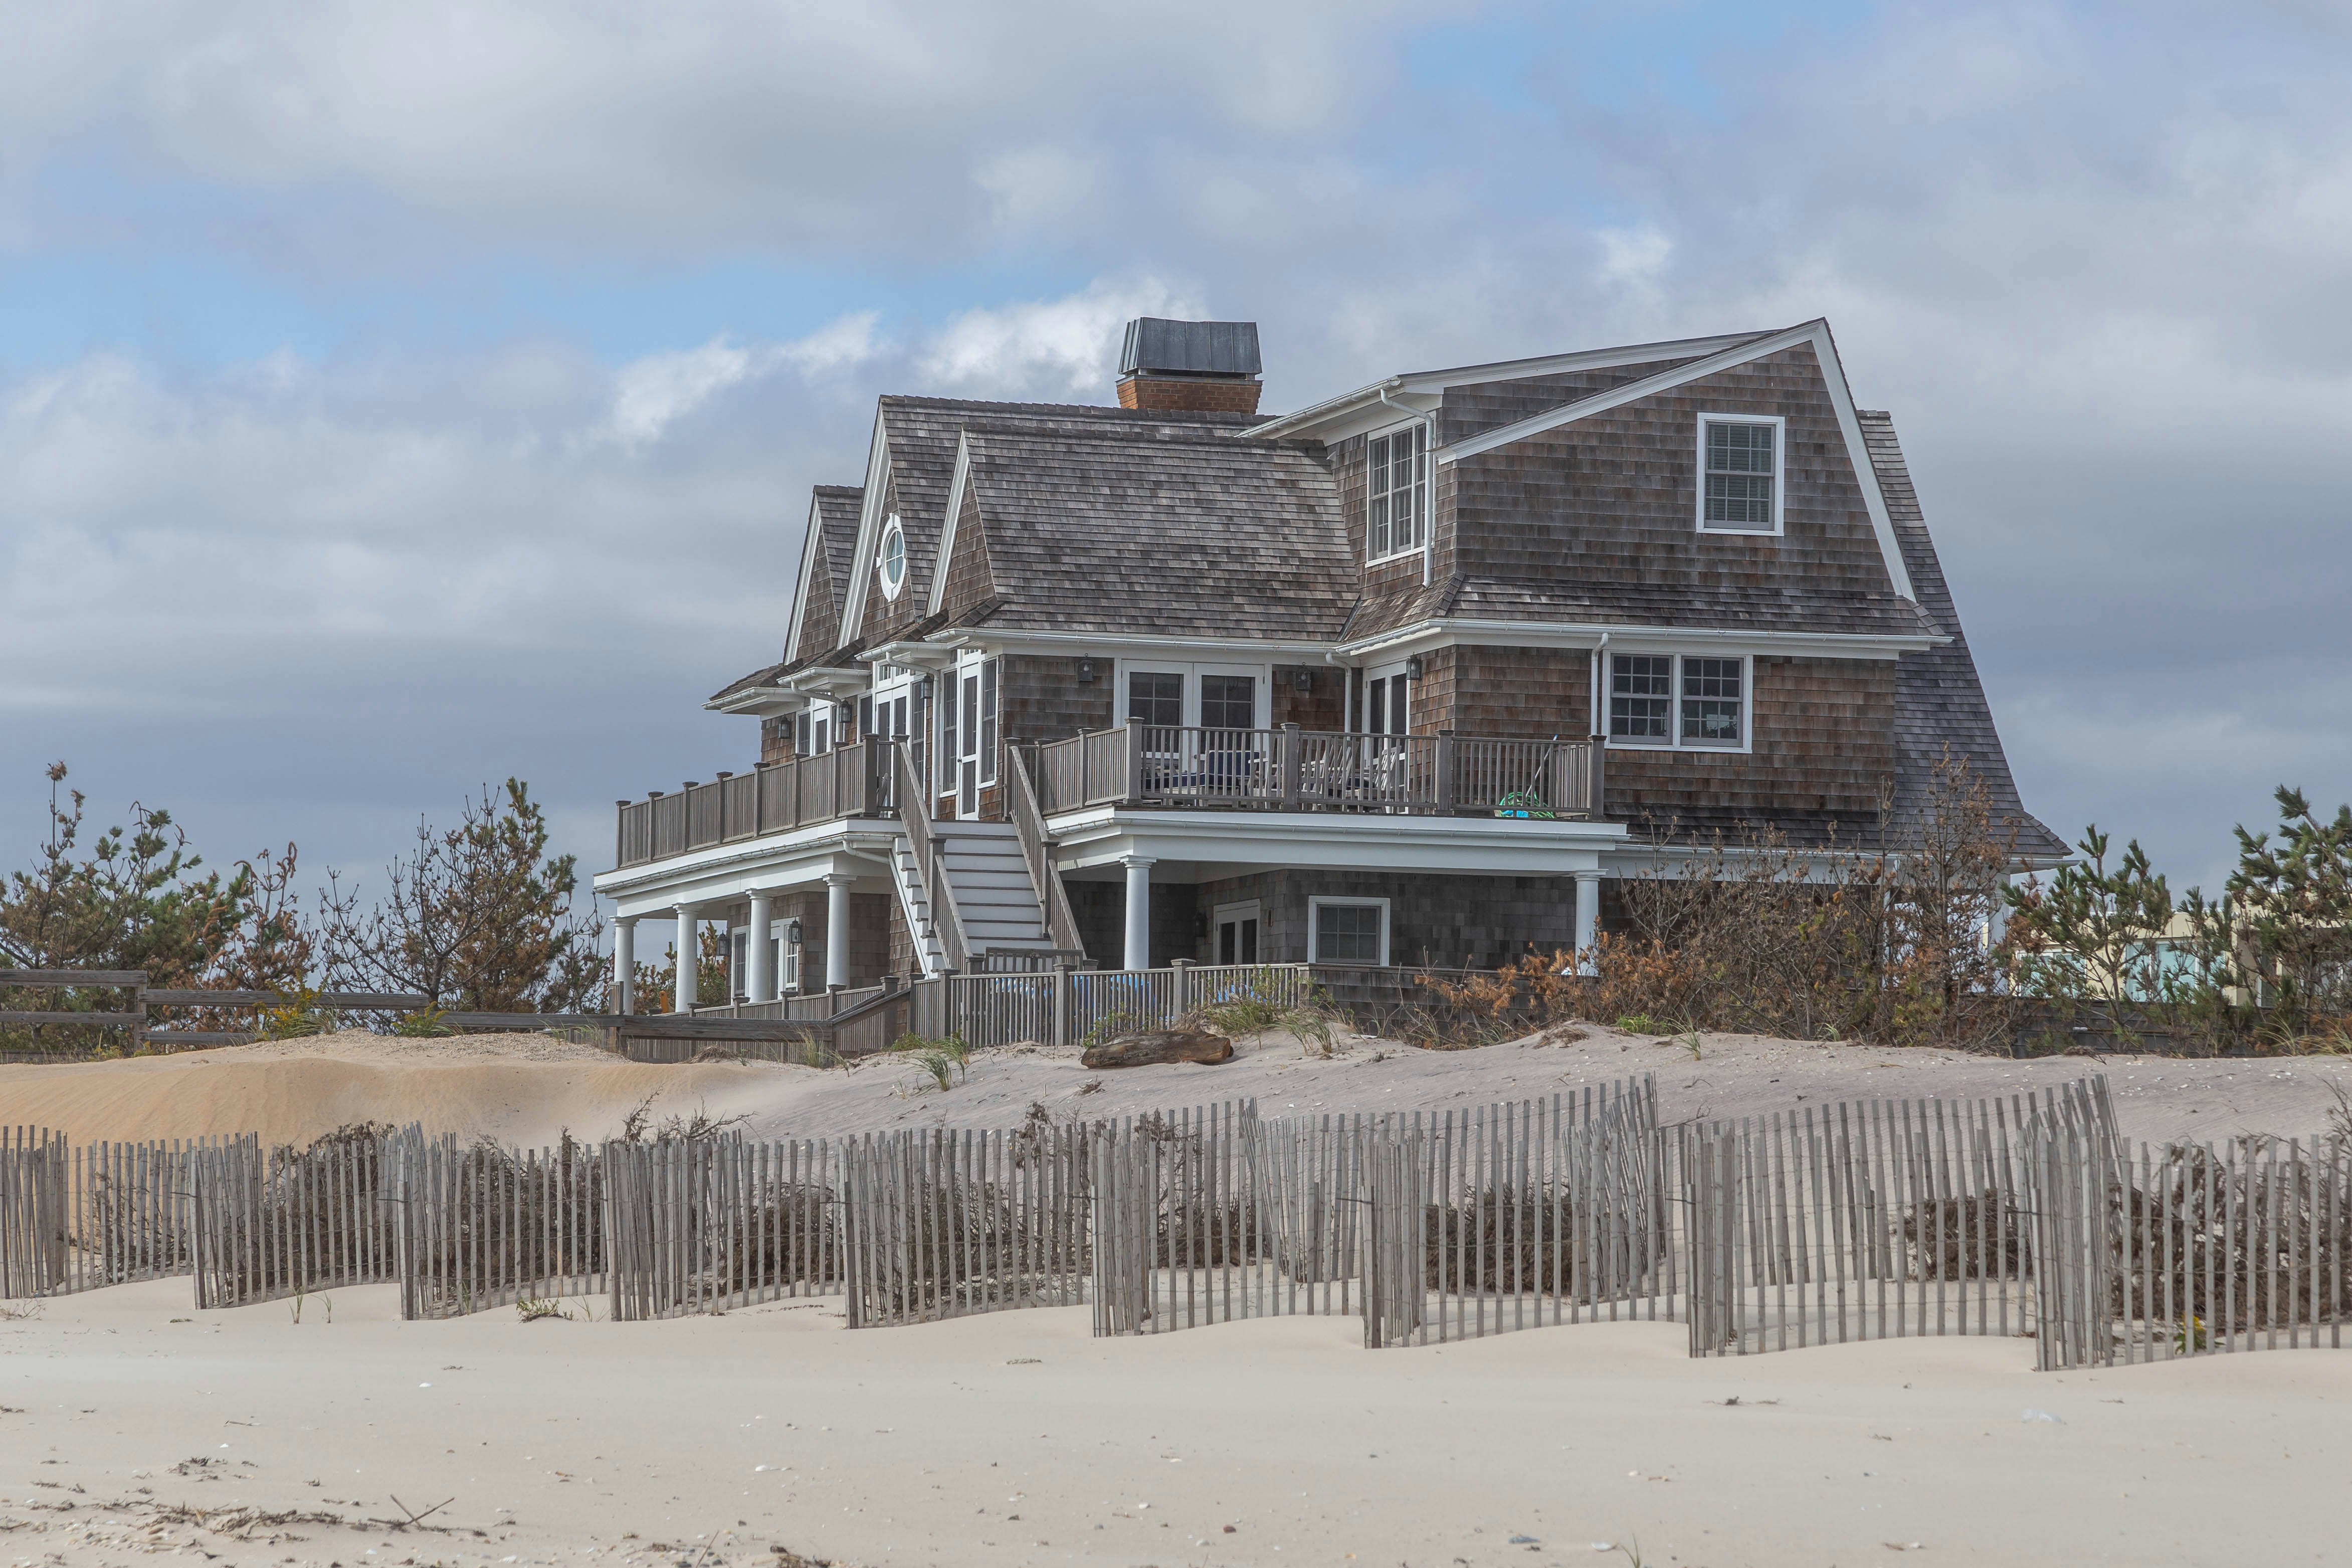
point(1199, 528)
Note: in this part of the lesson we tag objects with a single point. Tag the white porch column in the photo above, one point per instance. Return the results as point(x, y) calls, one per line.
point(1138, 911)
point(624, 964)
point(760, 985)
point(836, 930)
point(682, 967)
point(1587, 917)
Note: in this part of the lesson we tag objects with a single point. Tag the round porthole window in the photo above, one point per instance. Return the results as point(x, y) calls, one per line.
point(893, 562)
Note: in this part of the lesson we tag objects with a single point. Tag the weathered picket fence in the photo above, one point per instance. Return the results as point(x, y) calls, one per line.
point(32, 1212)
point(1871, 1219)
point(75, 1218)
point(704, 1224)
point(1508, 1216)
point(265, 1224)
point(2188, 1249)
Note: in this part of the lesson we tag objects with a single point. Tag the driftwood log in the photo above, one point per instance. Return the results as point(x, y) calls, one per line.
point(1158, 1045)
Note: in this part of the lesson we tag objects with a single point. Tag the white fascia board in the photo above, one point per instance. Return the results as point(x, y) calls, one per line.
point(1817, 334)
point(1475, 633)
point(856, 847)
point(1499, 847)
point(760, 701)
point(1433, 383)
point(1013, 639)
point(925, 655)
point(947, 526)
point(869, 528)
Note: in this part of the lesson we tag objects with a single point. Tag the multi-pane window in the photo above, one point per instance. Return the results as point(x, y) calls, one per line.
point(1154, 699)
point(1397, 485)
point(1742, 471)
point(1349, 932)
point(1229, 702)
point(1678, 700)
point(1641, 696)
point(1714, 693)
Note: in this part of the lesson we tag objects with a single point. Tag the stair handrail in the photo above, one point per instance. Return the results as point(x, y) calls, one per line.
point(1029, 828)
point(915, 817)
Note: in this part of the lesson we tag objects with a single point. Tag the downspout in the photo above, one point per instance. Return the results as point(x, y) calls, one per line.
point(1429, 481)
point(1600, 657)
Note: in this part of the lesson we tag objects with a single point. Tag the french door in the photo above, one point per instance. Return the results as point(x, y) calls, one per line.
point(1237, 932)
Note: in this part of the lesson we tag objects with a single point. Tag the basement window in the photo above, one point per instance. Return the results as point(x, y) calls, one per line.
point(1396, 487)
point(1740, 474)
point(1669, 701)
point(1347, 930)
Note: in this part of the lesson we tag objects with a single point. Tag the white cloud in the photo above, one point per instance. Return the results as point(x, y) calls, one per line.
point(1068, 346)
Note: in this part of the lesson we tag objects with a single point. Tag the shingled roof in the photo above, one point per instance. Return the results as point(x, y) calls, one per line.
point(1939, 704)
point(1219, 534)
point(922, 434)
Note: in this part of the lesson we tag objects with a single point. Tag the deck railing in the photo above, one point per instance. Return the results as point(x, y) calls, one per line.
point(775, 798)
point(1308, 770)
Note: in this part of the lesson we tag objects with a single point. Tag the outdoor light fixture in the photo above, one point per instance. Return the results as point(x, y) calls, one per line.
point(1086, 672)
point(1302, 680)
point(1412, 667)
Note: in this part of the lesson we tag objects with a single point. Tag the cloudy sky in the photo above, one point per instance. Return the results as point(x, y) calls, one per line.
point(395, 398)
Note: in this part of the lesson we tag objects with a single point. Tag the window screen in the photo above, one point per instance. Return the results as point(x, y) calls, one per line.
point(1229, 702)
point(1740, 473)
point(1154, 699)
point(1712, 701)
point(1641, 694)
point(1348, 933)
point(1396, 474)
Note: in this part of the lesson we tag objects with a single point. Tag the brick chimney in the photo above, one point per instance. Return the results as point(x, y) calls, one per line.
point(1190, 367)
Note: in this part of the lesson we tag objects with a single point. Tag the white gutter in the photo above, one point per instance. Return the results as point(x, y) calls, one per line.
point(1587, 634)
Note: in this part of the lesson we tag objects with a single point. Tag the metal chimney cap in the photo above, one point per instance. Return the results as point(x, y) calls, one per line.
point(1158, 346)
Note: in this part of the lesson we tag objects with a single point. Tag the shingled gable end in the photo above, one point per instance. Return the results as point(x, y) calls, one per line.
point(1414, 674)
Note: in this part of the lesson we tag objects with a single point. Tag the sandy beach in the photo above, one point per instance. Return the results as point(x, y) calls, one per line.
point(132, 1427)
point(526, 1089)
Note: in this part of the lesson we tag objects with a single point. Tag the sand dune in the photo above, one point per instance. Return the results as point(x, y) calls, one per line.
point(528, 1088)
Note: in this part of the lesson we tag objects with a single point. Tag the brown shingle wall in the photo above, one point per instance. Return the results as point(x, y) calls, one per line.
point(1039, 696)
point(1609, 506)
point(1538, 693)
point(820, 618)
point(969, 578)
point(1323, 706)
point(1824, 748)
point(885, 618)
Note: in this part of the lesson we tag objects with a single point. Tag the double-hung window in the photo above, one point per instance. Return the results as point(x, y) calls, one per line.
point(1740, 472)
point(1347, 930)
point(1397, 491)
point(1668, 699)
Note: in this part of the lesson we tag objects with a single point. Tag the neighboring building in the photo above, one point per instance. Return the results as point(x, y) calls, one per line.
point(1406, 677)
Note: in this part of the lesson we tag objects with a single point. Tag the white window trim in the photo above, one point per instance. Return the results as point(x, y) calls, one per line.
point(1673, 741)
point(1779, 474)
point(1421, 517)
point(890, 591)
point(1315, 903)
point(1192, 669)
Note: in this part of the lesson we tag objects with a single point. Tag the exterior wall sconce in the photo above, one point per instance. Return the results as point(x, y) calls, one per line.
point(1414, 668)
point(1303, 681)
point(1086, 672)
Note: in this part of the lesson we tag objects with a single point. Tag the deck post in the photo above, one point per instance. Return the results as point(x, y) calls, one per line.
point(688, 957)
point(760, 985)
point(1138, 897)
point(1440, 781)
point(1290, 764)
point(624, 964)
point(836, 929)
point(1587, 917)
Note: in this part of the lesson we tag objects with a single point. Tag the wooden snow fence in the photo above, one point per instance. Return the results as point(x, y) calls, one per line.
point(270, 1223)
point(2185, 1249)
point(32, 1212)
point(483, 1226)
point(1871, 1219)
point(702, 1224)
point(1433, 1226)
point(943, 1224)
